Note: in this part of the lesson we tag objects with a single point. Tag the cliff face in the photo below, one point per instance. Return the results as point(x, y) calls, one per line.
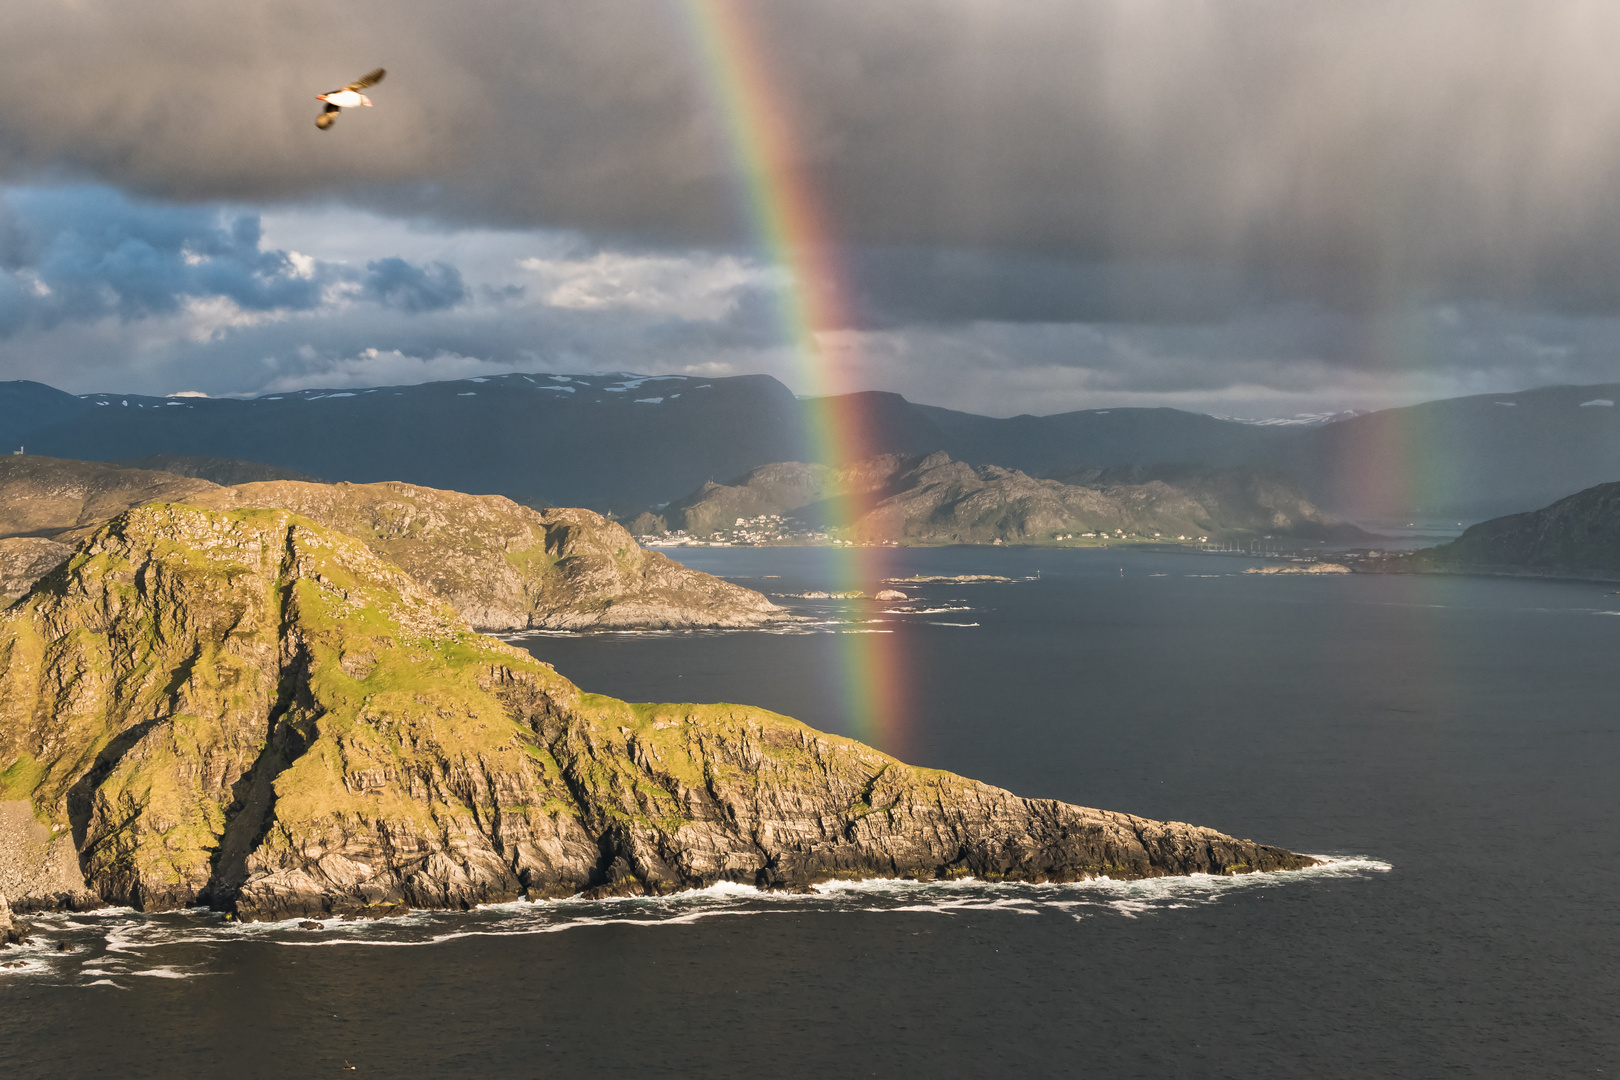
point(247, 709)
point(936, 500)
point(501, 565)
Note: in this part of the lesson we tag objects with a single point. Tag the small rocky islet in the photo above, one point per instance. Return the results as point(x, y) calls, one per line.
point(250, 710)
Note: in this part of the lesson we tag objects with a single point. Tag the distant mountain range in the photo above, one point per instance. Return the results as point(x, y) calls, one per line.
point(624, 442)
point(600, 441)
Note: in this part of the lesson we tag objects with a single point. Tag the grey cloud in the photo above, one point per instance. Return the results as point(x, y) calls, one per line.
point(81, 253)
point(84, 253)
point(895, 286)
point(1363, 153)
point(395, 283)
point(369, 342)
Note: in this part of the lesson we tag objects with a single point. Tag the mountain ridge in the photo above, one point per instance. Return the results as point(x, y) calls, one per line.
point(623, 442)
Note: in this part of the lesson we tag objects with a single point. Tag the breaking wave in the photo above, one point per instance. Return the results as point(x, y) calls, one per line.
point(117, 946)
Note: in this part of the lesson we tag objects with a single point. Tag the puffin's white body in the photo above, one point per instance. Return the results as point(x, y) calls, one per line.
point(344, 99)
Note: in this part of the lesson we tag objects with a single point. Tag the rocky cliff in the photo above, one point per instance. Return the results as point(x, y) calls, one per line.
point(248, 709)
point(503, 566)
point(932, 500)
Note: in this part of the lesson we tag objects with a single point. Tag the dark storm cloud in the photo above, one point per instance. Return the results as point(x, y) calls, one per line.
point(895, 286)
point(1360, 152)
point(395, 283)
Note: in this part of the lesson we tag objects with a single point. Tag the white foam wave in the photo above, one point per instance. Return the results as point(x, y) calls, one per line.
point(135, 944)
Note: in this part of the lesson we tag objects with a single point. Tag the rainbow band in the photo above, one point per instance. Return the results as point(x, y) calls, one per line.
point(789, 223)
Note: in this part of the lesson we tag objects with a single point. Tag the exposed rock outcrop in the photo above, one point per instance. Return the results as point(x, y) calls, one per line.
point(39, 867)
point(12, 930)
point(26, 559)
point(249, 709)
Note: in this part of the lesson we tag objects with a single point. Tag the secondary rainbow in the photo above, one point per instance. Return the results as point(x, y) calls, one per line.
point(790, 224)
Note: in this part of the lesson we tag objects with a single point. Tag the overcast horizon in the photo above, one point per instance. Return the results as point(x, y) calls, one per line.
point(1251, 208)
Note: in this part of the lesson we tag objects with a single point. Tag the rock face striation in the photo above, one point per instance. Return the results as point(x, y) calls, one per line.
point(250, 710)
point(501, 565)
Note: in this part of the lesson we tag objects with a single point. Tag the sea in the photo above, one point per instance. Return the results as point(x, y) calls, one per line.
point(1450, 746)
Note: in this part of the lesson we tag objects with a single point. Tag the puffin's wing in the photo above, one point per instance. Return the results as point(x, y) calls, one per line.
point(369, 79)
point(328, 117)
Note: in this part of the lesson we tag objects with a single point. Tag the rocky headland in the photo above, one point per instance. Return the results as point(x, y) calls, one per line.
point(932, 499)
point(247, 709)
point(1575, 537)
point(501, 565)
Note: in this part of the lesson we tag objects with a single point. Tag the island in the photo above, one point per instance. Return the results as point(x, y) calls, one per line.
point(248, 709)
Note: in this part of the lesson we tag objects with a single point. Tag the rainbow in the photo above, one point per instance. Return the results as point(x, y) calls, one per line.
point(790, 224)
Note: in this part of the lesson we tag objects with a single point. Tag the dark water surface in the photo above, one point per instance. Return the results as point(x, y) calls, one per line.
point(1456, 742)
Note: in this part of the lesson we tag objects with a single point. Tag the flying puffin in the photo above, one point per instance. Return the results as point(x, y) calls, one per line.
point(346, 98)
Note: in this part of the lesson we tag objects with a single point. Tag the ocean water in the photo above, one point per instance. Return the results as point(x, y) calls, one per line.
point(1452, 744)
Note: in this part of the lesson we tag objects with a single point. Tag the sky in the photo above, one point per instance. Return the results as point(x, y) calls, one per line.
point(1246, 207)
